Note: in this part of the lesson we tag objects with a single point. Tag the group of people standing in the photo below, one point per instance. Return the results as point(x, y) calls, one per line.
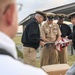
point(54, 32)
point(33, 36)
point(48, 32)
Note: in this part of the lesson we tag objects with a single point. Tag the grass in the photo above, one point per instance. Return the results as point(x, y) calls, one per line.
point(17, 40)
point(71, 59)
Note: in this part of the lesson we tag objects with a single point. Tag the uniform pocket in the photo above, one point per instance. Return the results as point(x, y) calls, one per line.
point(55, 30)
point(47, 32)
point(31, 49)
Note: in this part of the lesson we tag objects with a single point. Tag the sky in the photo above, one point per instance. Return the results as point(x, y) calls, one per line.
point(30, 6)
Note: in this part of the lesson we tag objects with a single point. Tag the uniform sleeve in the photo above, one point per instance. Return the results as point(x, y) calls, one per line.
point(33, 33)
point(70, 36)
point(30, 70)
point(58, 31)
point(71, 71)
point(69, 30)
point(73, 39)
point(42, 31)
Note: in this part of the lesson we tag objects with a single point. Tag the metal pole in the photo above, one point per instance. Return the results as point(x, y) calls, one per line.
point(71, 49)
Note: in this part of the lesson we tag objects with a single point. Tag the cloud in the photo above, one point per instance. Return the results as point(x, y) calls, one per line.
point(30, 6)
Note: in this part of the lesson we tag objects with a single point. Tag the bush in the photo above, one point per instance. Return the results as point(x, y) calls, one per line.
point(19, 53)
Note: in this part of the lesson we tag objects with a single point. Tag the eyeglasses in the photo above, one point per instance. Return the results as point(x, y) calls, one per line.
point(18, 5)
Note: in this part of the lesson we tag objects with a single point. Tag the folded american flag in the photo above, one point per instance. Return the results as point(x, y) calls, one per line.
point(62, 43)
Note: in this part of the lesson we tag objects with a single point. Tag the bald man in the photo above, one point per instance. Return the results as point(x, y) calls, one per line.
point(8, 55)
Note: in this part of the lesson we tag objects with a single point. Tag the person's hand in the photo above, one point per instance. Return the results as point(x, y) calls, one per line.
point(42, 43)
point(66, 37)
point(70, 42)
point(56, 42)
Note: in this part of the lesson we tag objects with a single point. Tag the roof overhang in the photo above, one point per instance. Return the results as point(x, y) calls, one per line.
point(65, 9)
